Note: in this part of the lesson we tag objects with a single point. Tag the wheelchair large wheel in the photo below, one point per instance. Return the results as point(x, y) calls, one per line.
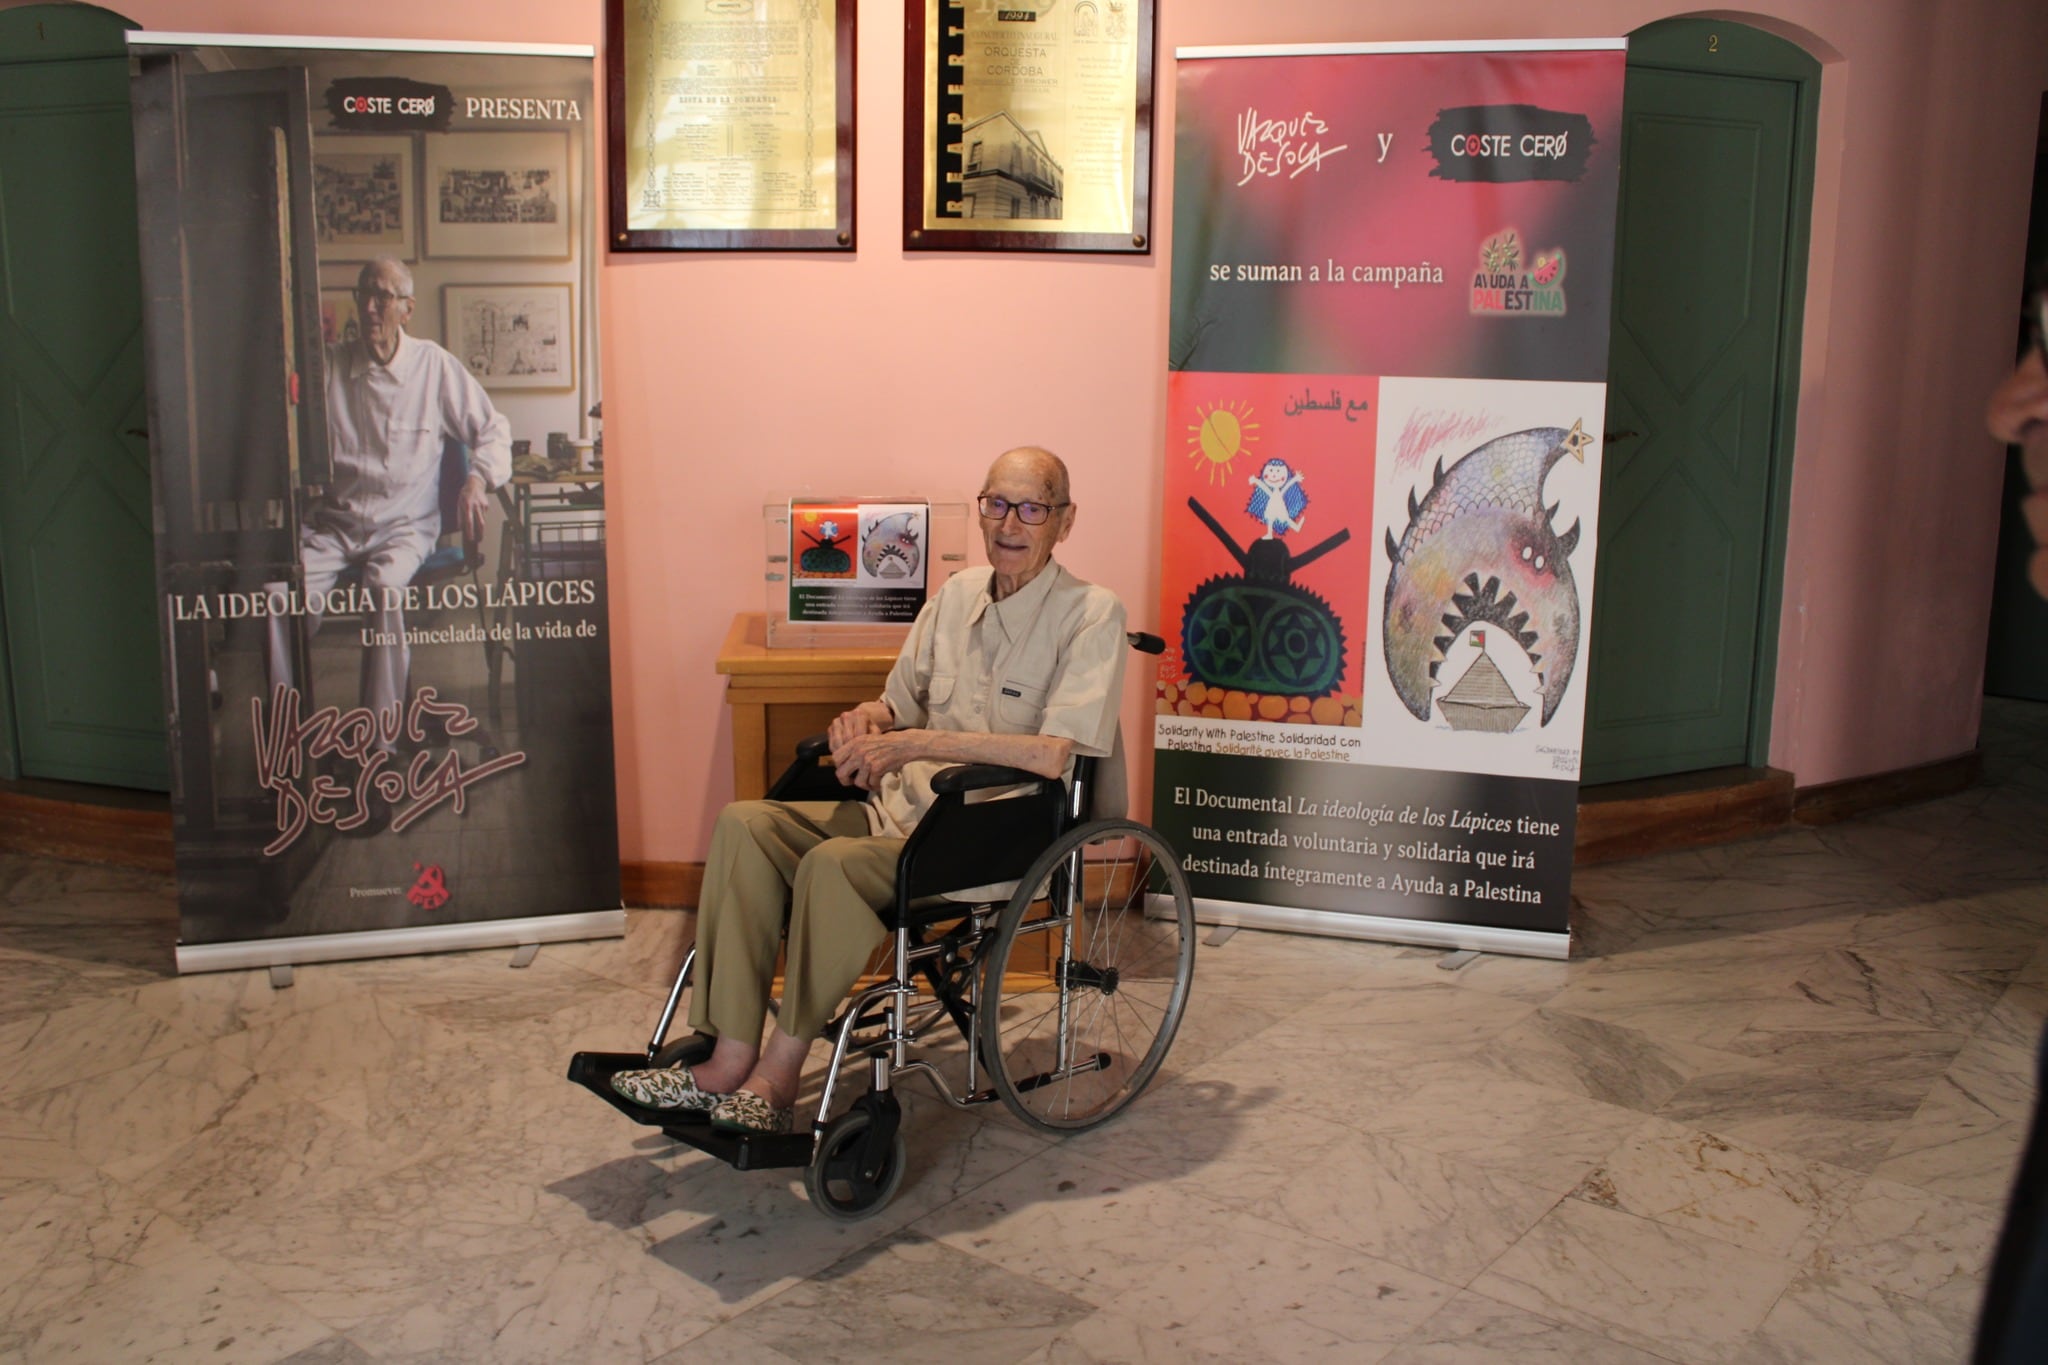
point(1078, 1009)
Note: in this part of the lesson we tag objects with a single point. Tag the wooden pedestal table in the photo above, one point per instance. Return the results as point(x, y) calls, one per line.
point(778, 696)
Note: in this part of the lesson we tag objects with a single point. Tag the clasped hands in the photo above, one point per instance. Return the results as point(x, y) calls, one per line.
point(865, 749)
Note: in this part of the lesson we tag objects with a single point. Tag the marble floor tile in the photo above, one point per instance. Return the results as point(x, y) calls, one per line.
point(1548, 1137)
point(39, 984)
point(905, 1299)
point(88, 1038)
point(149, 1106)
point(1701, 993)
point(1296, 1064)
point(1817, 1112)
point(1954, 936)
point(1828, 1319)
point(747, 1235)
point(1797, 1030)
point(1911, 1242)
point(1638, 1282)
point(1529, 979)
point(1603, 1061)
point(1762, 1201)
point(217, 1004)
point(332, 1351)
point(1108, 1338)
point(1439, 1215)
point(1248, 1288)
point(1601, 928)
point(1892, 989)
point(1956, 1144)
point(558, 1301)
point(1436, 1019)
point(32, 1157)
point(1280, 966)
point(1472, 1329)
point(261, 1161)
point(100, 1276)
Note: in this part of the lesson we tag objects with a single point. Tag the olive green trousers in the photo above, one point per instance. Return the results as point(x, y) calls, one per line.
point(818, 859)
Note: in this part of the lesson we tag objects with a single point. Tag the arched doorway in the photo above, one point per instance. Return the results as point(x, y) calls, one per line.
point(81, 689)
point(1710, 274)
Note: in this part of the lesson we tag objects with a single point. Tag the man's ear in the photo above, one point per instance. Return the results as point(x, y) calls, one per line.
point(1067, 525)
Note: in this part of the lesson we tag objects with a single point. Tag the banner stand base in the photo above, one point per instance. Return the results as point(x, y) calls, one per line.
point(1425, 933)
point(276, 953)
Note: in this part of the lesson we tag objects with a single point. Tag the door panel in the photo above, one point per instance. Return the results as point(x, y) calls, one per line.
point(1685, 499)
point(76, 559)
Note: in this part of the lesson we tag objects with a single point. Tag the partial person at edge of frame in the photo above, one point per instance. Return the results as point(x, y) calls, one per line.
point(2012, 1327)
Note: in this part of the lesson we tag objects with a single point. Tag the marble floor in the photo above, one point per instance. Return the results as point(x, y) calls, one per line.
point(1768, 1115)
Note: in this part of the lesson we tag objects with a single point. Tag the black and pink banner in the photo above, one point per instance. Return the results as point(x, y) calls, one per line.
point(380, 493)
point(1388, 357)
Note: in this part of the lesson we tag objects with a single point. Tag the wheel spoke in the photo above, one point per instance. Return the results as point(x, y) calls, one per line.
point(1121, 1003)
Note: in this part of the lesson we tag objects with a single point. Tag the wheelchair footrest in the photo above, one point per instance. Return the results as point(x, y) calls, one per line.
point(743, 1151)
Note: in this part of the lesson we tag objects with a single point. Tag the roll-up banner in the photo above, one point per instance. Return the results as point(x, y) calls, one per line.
point(371, 340)
point(1387, 362)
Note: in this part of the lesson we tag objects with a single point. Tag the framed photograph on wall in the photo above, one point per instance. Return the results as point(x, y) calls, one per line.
point(498, 195)
point(364, 197)
point(340, 319)
point(512, 336)
point(1028, 129)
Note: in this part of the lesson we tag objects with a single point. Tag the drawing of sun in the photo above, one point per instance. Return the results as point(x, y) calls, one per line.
point(1222, 434)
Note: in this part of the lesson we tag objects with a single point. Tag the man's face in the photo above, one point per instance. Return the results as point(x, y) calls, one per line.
point(1016, 551)
point(384, 300)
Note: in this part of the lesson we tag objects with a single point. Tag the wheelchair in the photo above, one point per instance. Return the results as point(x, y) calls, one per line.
point(1061, 950)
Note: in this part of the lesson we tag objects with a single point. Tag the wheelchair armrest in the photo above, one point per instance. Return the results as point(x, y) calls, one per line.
point(811, 748)
point(967, 777)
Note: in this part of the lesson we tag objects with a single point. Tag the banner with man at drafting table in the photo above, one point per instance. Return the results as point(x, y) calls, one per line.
point(374, 390)
point(1388, 352)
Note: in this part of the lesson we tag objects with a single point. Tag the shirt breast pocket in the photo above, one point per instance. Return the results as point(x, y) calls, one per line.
point(1020, 707)
point(410, 439)
point(938, 698)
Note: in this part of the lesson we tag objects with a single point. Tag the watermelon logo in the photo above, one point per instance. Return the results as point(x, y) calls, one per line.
point(1548, 268)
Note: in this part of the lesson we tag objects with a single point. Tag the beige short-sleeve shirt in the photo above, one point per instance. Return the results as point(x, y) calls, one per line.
point(1047, 660)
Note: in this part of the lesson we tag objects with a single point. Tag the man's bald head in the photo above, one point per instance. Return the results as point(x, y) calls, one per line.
point(1036, 464)
point(1019, 549)
point(386, 272)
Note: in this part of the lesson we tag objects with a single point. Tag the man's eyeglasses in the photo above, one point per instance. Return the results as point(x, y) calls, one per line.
point(383, 298)
point(994, 508)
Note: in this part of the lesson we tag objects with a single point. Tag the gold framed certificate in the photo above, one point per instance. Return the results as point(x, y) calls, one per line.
point(731, 124)
point(1030, 127)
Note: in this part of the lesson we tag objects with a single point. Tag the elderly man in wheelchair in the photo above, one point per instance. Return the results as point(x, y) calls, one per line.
point(1060, 946)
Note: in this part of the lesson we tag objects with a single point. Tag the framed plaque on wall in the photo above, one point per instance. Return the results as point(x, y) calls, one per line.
point(731, 126)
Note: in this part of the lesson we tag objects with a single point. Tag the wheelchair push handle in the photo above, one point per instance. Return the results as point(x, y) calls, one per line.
point(1144, 642)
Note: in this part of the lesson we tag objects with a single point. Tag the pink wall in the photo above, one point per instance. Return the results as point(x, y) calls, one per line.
point(733, 378)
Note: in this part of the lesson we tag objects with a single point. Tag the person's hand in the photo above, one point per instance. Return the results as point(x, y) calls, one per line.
point(864, 761)
point(471, 506)
point(851, 725)
point(2020, 401)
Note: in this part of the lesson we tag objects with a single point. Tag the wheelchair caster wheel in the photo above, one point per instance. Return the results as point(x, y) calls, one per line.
point(684, 1051)
point(845, 1181)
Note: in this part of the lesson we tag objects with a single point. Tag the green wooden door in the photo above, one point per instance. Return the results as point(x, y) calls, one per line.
point(77, 566)
point(1698, 419)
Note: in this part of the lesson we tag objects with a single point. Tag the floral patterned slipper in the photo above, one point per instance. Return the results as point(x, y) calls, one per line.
point(745, 1112)
point(670, 1087)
